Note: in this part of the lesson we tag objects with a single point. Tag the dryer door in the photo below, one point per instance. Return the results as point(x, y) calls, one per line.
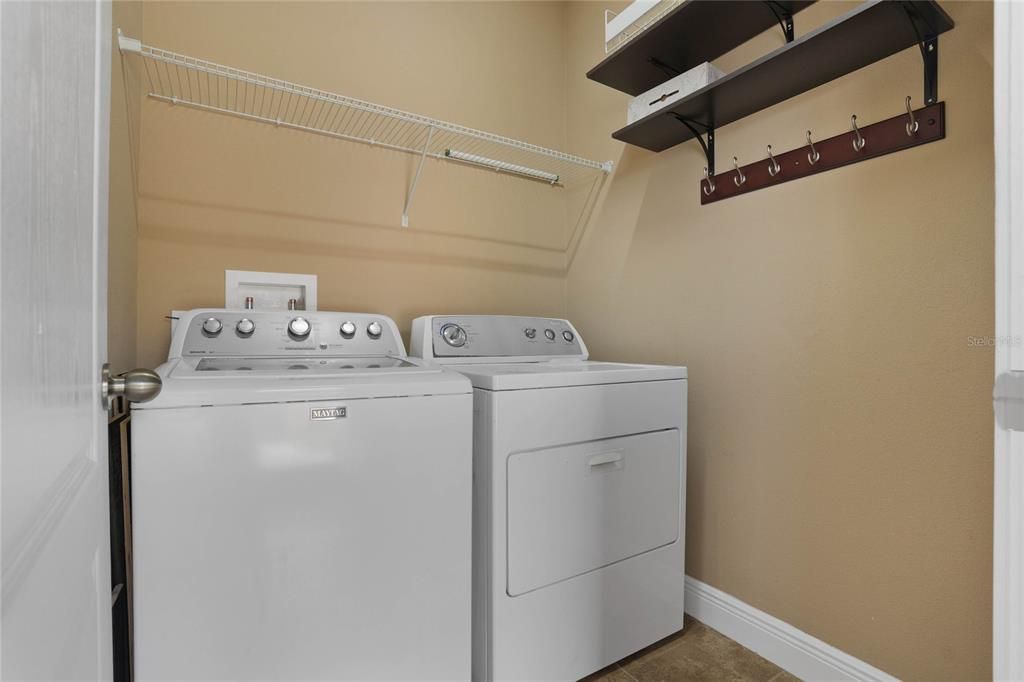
point(576, 508)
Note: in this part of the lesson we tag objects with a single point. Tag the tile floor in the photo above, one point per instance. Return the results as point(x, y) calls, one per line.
point(696, 654)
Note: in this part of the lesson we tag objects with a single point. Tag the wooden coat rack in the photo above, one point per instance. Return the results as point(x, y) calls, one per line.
point(914, 128)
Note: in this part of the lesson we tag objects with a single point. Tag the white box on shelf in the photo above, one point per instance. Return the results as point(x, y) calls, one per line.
point(620, 28)
point(672, 90)
point(269, 290)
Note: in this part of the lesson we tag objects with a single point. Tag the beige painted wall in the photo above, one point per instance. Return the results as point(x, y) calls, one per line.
point(840, 426)
point(122, 283)
point(840, 472)
point(221, 193)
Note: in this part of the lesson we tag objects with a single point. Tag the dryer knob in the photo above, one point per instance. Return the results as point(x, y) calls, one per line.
point(299, 328)
point(549, 334)
point(453, 335)
point(212, 326)
point(374, 330)
point(568, 336)
point(531, 333)
point(348, 329)
point(245, 327)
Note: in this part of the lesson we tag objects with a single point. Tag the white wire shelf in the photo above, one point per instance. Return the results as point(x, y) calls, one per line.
point(179, 79)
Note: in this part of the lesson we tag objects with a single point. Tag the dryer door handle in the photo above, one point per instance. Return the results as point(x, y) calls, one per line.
point(606, 460)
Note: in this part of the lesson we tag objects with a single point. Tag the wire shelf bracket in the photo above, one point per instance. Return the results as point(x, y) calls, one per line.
point(207, 86)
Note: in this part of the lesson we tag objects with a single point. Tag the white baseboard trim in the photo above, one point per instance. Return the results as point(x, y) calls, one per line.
point(792, 650)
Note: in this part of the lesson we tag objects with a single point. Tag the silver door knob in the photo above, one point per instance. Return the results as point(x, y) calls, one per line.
point(137, 385)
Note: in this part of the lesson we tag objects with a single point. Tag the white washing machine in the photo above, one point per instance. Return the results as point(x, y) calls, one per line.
point(301, 504)
point(579, 496)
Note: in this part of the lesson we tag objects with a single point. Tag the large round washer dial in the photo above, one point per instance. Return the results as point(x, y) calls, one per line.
point(299, 328)
point(212, 326)
point(348, 329)
point(374, 330)
point(453, 335)
point(245, 327)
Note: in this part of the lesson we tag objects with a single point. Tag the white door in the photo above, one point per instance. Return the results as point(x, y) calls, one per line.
point(1008, 540)
point(54, 110)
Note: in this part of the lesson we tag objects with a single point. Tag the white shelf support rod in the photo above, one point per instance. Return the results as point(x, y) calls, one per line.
point(416, 177)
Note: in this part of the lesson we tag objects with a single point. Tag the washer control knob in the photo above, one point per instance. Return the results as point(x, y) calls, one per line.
point(245, 327)
point(348, 329)
point(453, 335)
point(299, 328)
point(212, 326)
point(568, 336)
point(530, 332)
point(550, 334)
point(374, 330)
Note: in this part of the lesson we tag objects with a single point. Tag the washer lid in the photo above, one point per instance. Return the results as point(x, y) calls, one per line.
point(193, 382)
point(554, 374)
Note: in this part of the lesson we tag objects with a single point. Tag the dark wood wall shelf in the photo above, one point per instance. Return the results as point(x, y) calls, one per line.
point(695, 32)
point(866, 34)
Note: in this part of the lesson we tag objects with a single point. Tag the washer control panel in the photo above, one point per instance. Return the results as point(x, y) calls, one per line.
point(498, 337)
point(283, 332)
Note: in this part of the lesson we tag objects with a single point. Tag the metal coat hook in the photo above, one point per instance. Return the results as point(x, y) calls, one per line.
point(913, 126)
point(812, 156)
point(710, 186)
point(773, 165)
point(858, 141)
point(740, 177)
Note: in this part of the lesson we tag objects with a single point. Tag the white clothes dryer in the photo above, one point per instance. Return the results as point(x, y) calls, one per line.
point(579, 496)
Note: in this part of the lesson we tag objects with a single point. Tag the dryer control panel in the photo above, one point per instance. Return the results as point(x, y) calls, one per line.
point(498, 338)
point(253, 333)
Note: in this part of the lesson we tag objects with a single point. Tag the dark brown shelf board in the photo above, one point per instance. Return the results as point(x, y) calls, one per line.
point(867, 34)
point(695, 32)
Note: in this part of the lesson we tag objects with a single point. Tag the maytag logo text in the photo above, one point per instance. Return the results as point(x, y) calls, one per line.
point(319, 414)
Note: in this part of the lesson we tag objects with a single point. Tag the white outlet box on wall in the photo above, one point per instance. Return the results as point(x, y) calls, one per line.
point(269, 290)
